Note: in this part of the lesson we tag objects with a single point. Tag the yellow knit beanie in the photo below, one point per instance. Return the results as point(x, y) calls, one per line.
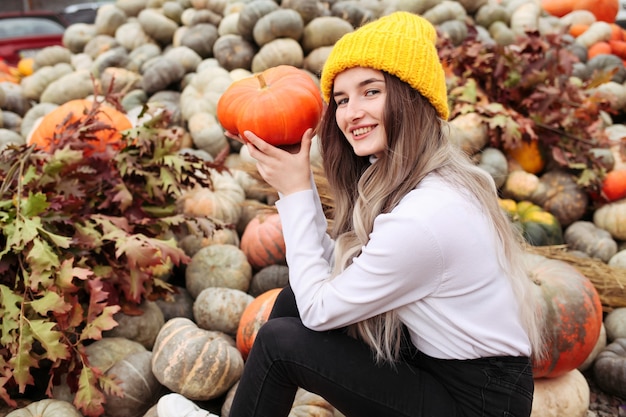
point(402, 44)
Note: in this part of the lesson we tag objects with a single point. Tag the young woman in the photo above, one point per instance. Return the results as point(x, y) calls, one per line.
point(417, 302)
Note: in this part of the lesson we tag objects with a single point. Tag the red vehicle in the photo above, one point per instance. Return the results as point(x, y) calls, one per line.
point(22, 34)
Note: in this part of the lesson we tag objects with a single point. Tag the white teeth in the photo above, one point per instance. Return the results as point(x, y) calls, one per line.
point(361, 131)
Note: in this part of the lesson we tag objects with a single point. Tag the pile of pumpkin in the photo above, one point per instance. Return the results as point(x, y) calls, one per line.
point(181, 56)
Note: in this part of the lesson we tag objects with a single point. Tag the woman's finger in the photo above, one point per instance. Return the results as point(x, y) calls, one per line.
point(234, 137)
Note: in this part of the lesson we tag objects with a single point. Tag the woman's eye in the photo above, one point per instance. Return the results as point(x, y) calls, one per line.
point(372, 92)
point(342, 101)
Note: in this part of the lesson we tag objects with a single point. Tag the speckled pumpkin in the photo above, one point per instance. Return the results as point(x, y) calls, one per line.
point(565, 396)
point(571, 311)
point(253, 317)
point(218, 265)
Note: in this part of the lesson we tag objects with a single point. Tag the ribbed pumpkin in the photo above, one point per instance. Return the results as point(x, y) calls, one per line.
point(610, 368)
point(612, 218)
point(262, 240)
point(141, 389)
point(559, 193)
point(305, 404)
point(108, 134)
point(218, 265)
point(253, 317)
point(571, 311)
point(199, 364)
point(564, 396)
point(46, 408)
point(278, 104)
point(539, 227)
point(223, 201)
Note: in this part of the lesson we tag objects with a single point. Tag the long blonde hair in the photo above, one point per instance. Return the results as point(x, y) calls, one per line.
point(417, 145)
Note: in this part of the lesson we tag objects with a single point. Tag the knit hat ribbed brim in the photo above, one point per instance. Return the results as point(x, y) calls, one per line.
point(402, 44)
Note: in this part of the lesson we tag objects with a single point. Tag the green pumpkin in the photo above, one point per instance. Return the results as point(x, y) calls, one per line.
point(538, 226)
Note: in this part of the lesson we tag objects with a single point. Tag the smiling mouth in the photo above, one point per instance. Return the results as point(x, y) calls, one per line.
point(362, 130)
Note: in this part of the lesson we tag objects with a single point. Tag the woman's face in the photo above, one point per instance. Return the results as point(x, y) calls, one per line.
point(360, 94)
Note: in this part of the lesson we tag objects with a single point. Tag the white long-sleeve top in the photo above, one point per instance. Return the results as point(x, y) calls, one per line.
point(433, 259)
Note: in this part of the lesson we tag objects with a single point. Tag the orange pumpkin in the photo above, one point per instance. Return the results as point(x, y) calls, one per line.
point(73, 111)
point(618, 47)
point(25, 66)
point(528, 155)
point(571, 311)
point(614, 185)
point(8, 73)
point(253, 317)
point(278, 104)
point(603, 10)
point(578, 29)
point(598, 48)
point(617, 32)
point(262, 240)
point(557, 8)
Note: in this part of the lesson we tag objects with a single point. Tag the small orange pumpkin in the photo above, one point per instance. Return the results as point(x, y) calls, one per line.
point(53, 123)
point(614, 185)
point(25, 66)
point(8, 73)
point(278, 104)
point(558, 8)
point(262, 240)
point(253, 317)
point(571, 311)
point(528, 155)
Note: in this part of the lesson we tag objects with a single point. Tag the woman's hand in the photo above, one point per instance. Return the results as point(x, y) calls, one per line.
point(286, 169)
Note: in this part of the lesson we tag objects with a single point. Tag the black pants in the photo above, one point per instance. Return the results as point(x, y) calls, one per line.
point(286, 355)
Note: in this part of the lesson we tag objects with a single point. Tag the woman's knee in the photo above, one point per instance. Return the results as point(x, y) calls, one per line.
point(281, 334)
point(285, 304)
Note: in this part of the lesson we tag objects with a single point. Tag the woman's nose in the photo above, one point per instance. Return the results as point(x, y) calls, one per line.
point(353, 110)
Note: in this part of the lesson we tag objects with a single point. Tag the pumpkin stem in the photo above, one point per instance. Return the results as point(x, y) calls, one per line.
point(261, 80)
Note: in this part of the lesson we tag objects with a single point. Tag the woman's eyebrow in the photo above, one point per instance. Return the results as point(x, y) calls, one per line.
point(363, 83)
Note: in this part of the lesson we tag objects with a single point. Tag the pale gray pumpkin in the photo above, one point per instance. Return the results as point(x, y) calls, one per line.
point(609, 369)
point(324, 31)
point(250, 13)
point(567, 395)
point(218, 265)
point(615, 323)
point(280, 23)
point(141, 389)
point(281, 51)
point(140, 328)
point(220, 309)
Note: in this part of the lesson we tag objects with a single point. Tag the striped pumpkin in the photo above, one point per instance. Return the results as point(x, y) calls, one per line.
point(262, 240)
point(197, 363)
